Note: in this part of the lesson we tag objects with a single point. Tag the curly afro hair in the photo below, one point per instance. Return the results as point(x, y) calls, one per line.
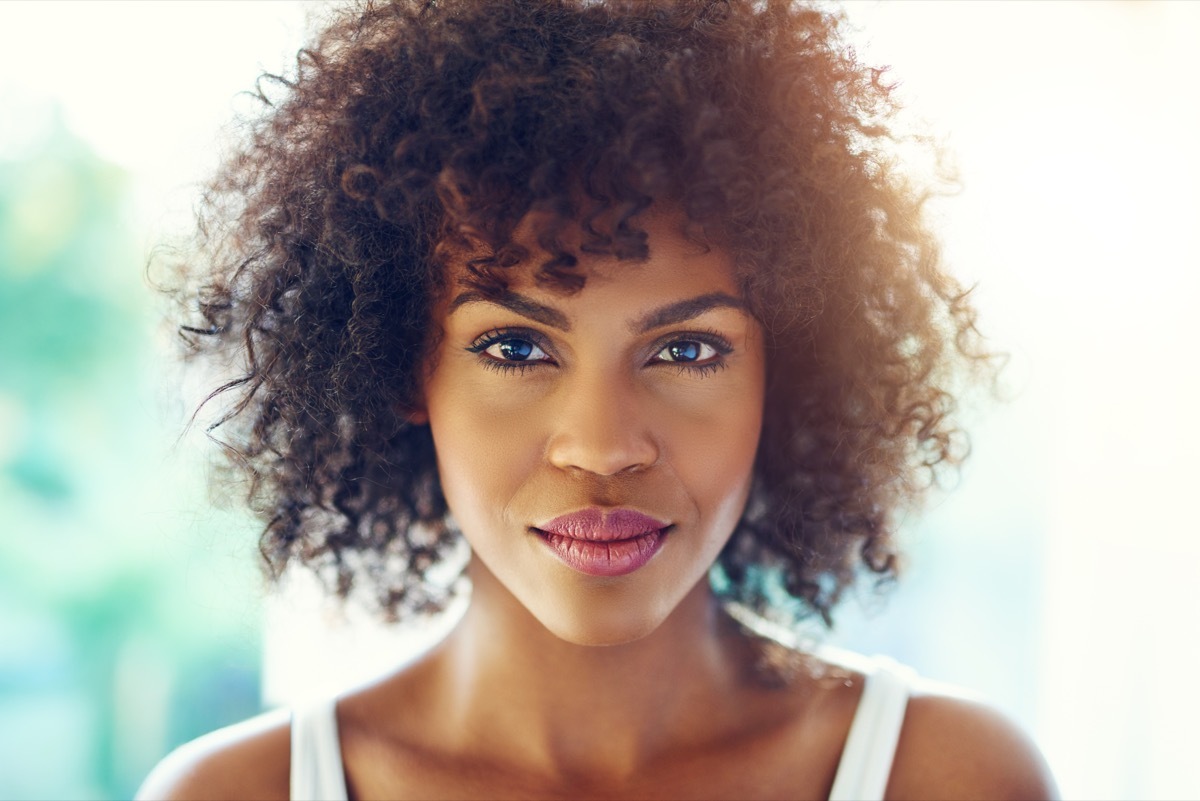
point(412, 128)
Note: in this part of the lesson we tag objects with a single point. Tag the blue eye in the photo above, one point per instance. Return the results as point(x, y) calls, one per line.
point(503, 350)
point(687, 351)
point(514, 350)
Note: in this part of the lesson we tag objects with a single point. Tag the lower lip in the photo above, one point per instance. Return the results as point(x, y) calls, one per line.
point(605, 558)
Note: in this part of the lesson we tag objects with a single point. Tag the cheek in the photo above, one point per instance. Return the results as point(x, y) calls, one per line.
point(483, 447)
point(718, 465)
point(712, 447)
point(718, 429)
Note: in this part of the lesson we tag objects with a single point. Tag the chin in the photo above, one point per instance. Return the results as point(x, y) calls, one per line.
point(586, 627)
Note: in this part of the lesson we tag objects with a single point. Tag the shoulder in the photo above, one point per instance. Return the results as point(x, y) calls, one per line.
point(954, 747)
point(249, 760)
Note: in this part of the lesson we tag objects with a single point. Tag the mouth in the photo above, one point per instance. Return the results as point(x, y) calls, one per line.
point(604, 543)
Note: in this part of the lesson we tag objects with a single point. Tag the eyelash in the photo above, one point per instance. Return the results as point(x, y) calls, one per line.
point(718, 343)
point(497, 335)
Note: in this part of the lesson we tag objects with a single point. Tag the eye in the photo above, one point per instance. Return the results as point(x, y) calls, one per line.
point(687, 351)
point(509, 350)
point(694, 352)
point(516, 350)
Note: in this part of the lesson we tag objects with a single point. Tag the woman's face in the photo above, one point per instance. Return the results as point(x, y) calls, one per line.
point(597, 449)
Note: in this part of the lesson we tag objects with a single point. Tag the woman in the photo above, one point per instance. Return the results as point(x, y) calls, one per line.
point(629, 296)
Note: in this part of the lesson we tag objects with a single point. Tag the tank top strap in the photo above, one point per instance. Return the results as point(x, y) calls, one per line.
point(317, 773)
point(866, 762)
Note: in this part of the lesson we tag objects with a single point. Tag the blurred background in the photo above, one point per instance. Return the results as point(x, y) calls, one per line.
point(1058, 579)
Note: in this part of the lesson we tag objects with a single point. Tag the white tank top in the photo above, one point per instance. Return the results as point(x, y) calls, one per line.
point(317, 773)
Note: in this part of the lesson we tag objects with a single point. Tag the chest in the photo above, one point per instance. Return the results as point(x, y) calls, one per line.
point(792, 763)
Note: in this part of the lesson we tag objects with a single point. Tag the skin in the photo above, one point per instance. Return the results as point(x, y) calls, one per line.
point(558, 684)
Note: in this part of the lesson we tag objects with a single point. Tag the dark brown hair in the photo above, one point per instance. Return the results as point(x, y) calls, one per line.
point(411, 128)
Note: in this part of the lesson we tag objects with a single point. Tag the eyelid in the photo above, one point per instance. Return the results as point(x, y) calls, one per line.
point(494, 335)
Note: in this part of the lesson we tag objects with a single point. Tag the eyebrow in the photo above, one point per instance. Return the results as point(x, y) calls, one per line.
point(683, 310)
point(670, 314)
point(516, 303)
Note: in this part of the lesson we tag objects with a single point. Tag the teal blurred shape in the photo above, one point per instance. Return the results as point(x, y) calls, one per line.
point(41, 474)
point(66, 299)
point(116, 636)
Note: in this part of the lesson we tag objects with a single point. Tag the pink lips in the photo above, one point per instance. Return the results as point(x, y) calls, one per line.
point(604, 543)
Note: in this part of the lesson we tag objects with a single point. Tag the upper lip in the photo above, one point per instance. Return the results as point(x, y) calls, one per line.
point(603, 525)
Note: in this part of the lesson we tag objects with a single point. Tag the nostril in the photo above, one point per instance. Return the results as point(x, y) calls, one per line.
point(602, 458)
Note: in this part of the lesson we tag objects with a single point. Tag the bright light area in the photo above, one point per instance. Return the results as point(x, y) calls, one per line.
point(148, 85)
point(1080, 217)
point(1073, 127)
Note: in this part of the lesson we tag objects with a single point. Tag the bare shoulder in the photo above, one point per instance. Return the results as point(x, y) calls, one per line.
point(248, 760)
point(953, 747)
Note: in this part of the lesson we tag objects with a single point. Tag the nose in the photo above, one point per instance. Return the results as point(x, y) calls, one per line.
point(600, 427)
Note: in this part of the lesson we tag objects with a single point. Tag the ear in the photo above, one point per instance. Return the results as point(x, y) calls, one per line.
point(414, 414)
point(415, 411)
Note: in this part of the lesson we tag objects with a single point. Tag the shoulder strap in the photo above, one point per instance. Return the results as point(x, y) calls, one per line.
point(316, 772)
point(866, 760)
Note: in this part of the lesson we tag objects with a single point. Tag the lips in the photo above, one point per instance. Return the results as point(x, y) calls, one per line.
point(602, 542)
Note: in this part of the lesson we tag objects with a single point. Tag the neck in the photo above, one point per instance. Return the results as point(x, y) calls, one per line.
point(518, 692)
